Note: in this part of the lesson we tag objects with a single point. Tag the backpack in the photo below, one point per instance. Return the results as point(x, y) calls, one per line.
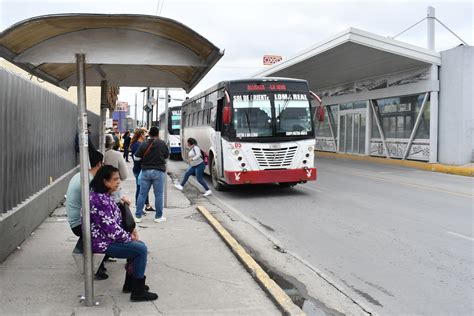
point(205, 157)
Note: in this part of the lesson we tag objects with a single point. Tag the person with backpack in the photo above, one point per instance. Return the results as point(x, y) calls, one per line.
point(196, 166)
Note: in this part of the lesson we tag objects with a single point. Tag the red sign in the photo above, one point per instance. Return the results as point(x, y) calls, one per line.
point(279, 87)
point(255, 87)
point(271, 59)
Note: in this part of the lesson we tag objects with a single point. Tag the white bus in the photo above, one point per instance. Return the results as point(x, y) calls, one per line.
point(254, 130)
point(174, 129)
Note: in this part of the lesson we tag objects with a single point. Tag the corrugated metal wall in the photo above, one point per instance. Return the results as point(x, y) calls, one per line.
point(37, 132)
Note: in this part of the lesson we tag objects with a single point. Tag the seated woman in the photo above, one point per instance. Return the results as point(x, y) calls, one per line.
point(110, 238)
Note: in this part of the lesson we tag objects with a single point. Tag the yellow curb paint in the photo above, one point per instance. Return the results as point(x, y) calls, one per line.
point(282, 300)
point(457, 170)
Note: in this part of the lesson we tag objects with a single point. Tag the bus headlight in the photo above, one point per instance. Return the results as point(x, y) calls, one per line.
point(236, 152)
point(310, 148)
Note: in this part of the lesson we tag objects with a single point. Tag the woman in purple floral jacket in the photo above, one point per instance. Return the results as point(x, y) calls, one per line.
point(110, 238)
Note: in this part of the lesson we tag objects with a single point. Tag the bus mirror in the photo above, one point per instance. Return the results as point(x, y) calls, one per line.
point(226, 114)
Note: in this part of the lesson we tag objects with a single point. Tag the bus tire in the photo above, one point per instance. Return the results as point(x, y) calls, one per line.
point(215, 179)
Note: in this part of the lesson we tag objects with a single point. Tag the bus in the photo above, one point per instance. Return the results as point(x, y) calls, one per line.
point(174, 128)
point(255, 131)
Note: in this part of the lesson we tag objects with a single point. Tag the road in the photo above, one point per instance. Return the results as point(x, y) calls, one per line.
point(400, 240)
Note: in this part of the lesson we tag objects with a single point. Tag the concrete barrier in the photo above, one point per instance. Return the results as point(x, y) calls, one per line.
point(17, 224)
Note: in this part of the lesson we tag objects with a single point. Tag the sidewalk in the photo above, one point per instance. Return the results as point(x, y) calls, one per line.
point(189, 267)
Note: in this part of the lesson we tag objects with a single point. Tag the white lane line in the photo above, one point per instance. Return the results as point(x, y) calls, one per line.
point(312, 189)
point(461, 236)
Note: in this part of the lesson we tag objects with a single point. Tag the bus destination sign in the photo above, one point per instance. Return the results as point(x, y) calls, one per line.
point(269, 87)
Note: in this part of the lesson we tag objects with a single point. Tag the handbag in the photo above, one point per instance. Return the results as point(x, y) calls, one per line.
point(128, 222)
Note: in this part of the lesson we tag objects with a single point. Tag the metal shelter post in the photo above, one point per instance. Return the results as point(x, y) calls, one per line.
point(84, 167)
point(165, 190)
point(379, 126)
point(415, 127)
point(103, 113)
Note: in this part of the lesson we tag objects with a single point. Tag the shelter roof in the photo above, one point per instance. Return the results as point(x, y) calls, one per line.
point(350, 56)
point(125, 50)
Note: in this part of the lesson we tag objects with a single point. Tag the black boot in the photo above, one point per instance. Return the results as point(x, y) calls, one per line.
point(139, 293)
point(127, 285)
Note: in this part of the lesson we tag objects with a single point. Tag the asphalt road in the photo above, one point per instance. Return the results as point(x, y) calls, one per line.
point(399, 240)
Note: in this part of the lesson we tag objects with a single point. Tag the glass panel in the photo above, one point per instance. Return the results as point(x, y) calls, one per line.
point(293, 116)
point(252, 115)
point(345, 106)
point(423, 131)
point(342, 126)
point(360, 105)
point(362, 134)
point(349, 133)
point(322, 128)
point(401, 113)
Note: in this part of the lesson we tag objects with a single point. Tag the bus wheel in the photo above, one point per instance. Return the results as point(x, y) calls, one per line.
point(215, 180)
point(287, 184)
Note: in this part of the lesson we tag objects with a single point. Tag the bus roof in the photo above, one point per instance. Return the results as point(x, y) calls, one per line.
point(226, 83)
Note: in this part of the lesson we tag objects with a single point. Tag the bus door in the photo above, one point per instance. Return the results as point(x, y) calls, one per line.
point(217, 139)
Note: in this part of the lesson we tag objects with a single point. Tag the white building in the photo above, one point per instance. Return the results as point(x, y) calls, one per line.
point(385, 98)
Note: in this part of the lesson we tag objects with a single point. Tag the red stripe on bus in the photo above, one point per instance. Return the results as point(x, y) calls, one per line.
point(270, 176)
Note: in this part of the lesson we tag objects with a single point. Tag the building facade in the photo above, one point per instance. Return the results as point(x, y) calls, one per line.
point(386, 98)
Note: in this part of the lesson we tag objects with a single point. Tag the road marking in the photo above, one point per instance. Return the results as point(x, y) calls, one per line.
point(414, 185)
point(312, 189)
point(461, 236)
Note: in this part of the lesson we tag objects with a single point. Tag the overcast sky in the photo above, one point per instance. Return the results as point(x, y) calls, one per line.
point(249, 29)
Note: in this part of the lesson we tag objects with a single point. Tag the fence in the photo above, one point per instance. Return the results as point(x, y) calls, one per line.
point(37, 132)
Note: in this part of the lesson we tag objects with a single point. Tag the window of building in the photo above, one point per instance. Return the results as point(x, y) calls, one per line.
point(398, 115)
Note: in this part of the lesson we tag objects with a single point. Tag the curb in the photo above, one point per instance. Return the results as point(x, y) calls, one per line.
point(281, 299)
point(457, 170)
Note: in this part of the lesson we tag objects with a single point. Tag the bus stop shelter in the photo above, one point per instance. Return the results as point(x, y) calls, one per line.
point(99, 50)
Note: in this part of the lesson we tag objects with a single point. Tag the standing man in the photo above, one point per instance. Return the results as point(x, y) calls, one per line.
point(153, 154)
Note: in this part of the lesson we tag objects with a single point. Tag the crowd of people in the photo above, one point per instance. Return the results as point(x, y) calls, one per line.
point(109, 205)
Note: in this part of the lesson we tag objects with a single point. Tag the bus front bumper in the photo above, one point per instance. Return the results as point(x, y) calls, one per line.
point(270, 176)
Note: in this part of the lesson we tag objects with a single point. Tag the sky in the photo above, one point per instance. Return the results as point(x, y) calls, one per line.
point(249, 29)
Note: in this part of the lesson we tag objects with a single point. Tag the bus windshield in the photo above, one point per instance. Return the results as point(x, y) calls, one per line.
point(253, 115)
point(293, 115)
point(175, 122)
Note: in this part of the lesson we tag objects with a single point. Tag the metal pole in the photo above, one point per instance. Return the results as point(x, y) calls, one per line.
point(84, 164)
point(148, 125)
point(143, 111)
point(415, 127)
point(103, 113)
point(136, 105)
point(157, 103)
point(380, 128)
point(430, 13)
point(167, 143)
point(434, 121)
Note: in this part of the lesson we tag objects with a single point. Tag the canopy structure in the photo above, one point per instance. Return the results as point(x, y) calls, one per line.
point(350, 56)
point(126, 50)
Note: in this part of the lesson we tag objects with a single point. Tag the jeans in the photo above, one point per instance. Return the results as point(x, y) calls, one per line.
point(149, 177)
point(198, 171)
point(147, 202)
point(135, 250)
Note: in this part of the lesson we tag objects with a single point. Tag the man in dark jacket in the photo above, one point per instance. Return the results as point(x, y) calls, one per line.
point(153, 154)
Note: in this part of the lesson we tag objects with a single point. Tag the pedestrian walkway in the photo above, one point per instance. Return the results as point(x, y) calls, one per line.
point(189, 267)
